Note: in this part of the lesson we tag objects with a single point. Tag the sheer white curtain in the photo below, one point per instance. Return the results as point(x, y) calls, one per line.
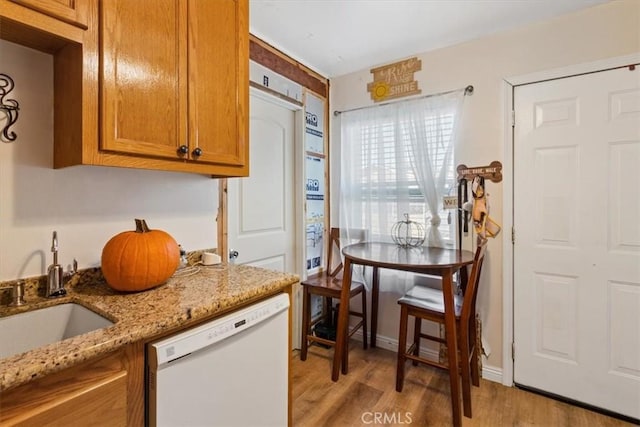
point(431, 129)
point(396, 159)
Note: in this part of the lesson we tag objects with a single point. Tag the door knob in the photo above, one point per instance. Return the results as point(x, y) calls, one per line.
point(197, 152)
point(183, 149)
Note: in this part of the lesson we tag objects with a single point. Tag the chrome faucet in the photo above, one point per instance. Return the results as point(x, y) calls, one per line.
point(55, 272)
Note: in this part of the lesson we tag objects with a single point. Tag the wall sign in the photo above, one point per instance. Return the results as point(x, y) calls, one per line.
point(395, 80)
point(492, 172)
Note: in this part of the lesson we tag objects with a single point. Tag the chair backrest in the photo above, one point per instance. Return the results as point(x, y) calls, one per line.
point(471, 291)
point(356, 235)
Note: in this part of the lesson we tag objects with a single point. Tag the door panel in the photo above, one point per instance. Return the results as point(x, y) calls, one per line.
point(624, 231)
point(261, 207)
point(265, 193)
point(577, 247)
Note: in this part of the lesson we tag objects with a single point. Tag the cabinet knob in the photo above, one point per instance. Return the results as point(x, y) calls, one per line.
point(183, 149)
point(197, 152)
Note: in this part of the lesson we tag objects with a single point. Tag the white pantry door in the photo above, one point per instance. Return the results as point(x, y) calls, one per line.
point(577, 238)
point(261, 208)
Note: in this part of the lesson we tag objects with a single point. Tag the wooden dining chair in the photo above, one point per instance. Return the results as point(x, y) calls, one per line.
point(424, 302)
point(328, 284)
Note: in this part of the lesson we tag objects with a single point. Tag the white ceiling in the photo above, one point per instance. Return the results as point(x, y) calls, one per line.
point(337, 37)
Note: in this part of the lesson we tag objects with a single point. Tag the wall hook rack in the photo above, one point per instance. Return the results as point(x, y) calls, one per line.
point(10, 106)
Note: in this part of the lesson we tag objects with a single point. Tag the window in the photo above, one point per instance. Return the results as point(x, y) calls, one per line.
point(381, 174)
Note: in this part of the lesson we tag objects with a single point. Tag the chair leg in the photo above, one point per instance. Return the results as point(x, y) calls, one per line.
point(402, 347)
point(345, 356)
point(364, 320)
point(306, 320)
point(345, 353)
point(417, 327)
point(466, 374)
point(475, 370)
point(330, 316)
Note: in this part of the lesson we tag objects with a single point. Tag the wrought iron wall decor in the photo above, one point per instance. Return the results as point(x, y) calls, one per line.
point(9, 106)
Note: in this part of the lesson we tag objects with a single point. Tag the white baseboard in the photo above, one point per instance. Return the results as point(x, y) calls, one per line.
point(392, 345)
point(489, 373)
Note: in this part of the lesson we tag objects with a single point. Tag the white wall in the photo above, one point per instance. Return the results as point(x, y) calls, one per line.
point(87, 205)
point(604, 31)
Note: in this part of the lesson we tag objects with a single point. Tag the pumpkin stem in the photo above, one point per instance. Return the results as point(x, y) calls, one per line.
point(141, 226)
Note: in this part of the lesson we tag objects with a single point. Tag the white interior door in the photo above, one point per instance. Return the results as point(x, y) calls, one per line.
point(577, 238)
point(261, 207)
point(262, 218)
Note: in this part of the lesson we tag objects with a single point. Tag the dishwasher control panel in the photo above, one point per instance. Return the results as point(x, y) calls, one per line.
point(191, 340)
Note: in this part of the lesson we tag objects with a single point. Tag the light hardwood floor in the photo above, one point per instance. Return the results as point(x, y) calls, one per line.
point(368, 391)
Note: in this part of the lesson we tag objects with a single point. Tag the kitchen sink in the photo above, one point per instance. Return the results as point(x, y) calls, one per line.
point(27, 331)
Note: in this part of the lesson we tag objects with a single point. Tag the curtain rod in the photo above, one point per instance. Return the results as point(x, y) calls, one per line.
point(467, 91)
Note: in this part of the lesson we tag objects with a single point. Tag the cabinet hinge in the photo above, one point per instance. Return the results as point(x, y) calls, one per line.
point(513, 118)
point(513, 235)
point(513, 351)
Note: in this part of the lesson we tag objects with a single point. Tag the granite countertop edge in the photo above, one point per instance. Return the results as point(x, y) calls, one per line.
point(186, 298)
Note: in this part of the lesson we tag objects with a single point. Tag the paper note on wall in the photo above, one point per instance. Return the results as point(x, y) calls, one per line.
point(315, 190)
point(314, 124)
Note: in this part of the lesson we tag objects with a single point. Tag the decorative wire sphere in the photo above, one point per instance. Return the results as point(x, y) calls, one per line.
point(407, 233)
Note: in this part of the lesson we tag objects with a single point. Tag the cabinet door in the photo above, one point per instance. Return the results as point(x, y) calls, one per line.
point(94, 394)
point(143, 101)
point(219, 81)
point(71, 11)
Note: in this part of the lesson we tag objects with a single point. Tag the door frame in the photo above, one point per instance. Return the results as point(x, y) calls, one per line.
point(508, 86)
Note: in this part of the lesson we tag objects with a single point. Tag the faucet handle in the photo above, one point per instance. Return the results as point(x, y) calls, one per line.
point(54, 242)
point(73, 269)
point(17, 295)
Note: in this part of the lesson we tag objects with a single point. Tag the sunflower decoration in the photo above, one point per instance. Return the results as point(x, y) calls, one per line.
point(380, 91)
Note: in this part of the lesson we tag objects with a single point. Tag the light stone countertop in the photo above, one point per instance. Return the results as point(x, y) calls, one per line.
point(195, 295)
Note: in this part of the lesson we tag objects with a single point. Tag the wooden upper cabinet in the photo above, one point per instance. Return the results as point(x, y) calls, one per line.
point(71, 11)
point(143, 97)
point(174, 81)
point(218, 80)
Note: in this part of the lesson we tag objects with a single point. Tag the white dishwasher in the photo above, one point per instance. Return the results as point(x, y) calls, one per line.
point(232, 371)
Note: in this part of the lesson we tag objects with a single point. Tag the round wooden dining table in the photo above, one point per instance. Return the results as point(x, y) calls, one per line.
point(424, 259)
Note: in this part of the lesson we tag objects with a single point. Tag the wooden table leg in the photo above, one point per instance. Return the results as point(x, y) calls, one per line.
point(342, 324)
point(375, 290)
point(452, 346)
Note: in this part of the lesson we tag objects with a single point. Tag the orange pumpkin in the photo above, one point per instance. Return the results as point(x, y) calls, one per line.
point(139, 260)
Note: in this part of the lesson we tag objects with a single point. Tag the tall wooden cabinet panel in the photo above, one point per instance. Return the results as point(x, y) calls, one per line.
point(71, 11)
point(174, 81)
point(143, 95)
point(218, 40)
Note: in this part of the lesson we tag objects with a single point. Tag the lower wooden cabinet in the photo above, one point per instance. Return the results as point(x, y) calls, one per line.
point(105, 392)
